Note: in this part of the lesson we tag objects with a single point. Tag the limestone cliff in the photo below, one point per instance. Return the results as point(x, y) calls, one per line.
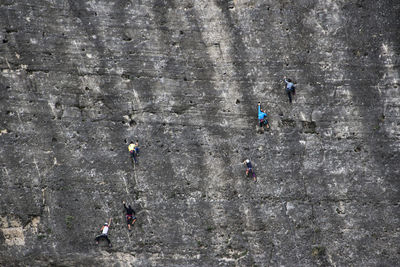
point(80, 79)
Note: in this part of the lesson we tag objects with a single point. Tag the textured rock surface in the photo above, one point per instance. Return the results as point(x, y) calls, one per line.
point(80, 79)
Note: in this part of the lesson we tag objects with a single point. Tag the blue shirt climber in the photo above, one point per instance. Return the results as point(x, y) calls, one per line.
point(262, 117)
point(261, 114)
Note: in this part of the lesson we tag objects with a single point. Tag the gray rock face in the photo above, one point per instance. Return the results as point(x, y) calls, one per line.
point(81, 79)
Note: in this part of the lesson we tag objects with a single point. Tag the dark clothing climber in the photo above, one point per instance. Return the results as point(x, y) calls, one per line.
point(130, 215)
point(134, 150)
point(262, 117)
point(249, 169)
point(248, 164)
point(290, 88)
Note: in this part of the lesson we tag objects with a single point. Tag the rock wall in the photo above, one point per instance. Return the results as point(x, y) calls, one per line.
point(81, 79)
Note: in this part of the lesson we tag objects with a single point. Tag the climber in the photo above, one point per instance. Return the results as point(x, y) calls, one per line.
point(262, 117)
point(290, 88)
point(249, 169)
point(104, 233)
point(132, 150)
point(137, 148)
point(130, 215)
